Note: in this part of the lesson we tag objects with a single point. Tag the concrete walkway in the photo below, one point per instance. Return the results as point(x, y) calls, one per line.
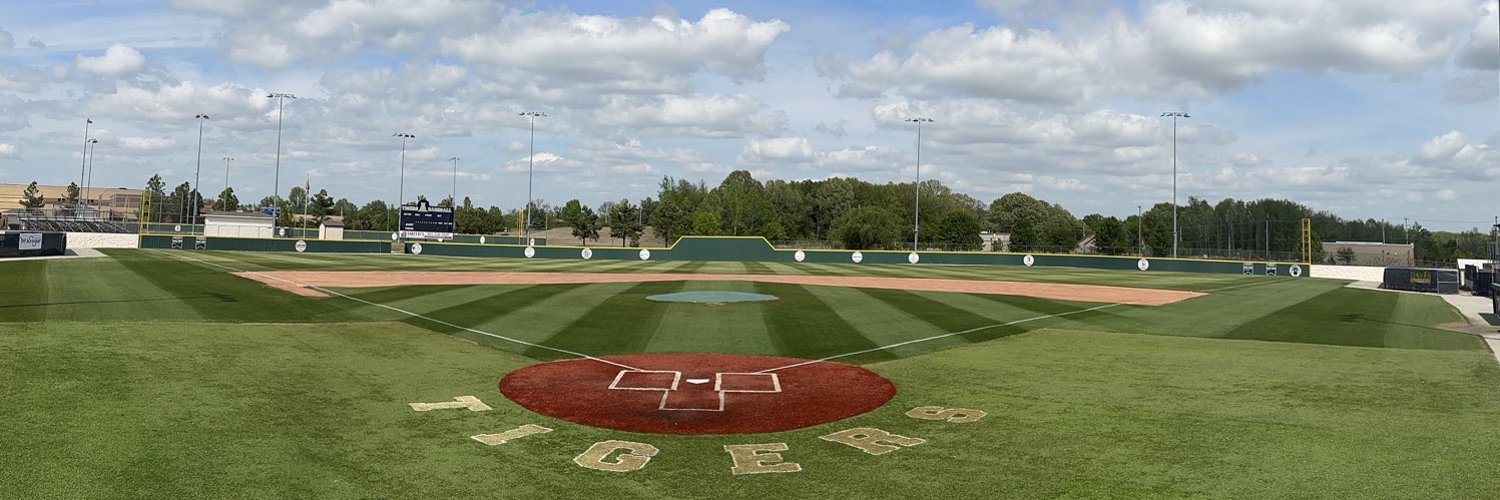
point(70, 253)
point(1482, 321)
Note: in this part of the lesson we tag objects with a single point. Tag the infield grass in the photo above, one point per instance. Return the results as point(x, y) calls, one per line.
point(148, 375)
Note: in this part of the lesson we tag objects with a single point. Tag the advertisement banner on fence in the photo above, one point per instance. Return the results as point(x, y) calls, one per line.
point(30, 241)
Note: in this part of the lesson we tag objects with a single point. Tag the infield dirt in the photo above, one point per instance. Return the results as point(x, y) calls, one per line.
point(301, 283)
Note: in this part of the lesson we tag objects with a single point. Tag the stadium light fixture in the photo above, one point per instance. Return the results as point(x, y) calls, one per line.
point(530, 163)
point(92, 145)
point(83, 161)
point(227, 159)
point(280, 101)
point(916, 218)
point(1176, 234)
point(198, 172)
point(401, 194)
point(453, 195)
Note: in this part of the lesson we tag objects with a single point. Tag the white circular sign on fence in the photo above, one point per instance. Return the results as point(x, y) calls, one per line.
point(529, 252)
point(587, 253)
point(481, 240)
point(177, 228)
point(857, 257)
point(1143, 264)
point(416, 248)
point(913, 257)
point(645, 254)
point(1028, 260)
point(301, 246)
point(394, 236)
point(1296, 271)
point(799, 256)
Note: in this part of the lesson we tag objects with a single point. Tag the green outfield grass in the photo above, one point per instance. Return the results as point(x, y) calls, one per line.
point(147, 374)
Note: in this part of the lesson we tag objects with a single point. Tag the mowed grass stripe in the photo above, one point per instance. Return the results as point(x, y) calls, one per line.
point(882, 324)
point(1361, 318)
point(623, 323)
point(81, 289)
point(26, 296)
point(757, 268)
point(804, 326)
point(724, 328)
point(488, 303)
point(211, 292)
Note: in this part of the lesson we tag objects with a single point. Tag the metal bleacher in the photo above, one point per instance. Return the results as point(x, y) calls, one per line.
point(87, 220)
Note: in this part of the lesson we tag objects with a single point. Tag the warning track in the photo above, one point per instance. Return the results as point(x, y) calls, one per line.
point(300, 282)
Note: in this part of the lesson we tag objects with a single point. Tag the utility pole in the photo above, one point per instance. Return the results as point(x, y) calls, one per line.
point(83, 162)
point(454, 195)
point(916, 226)
point(401, 193)
point(1175, 234)
point(1140, 221)
point(197, 172)
point(227, 159)
point(530, 163)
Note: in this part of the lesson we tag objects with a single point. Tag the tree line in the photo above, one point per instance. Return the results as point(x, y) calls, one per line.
point(850, 213)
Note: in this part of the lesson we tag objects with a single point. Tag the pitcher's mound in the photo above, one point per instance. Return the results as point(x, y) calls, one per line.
point(697, 393)
point(711, 297)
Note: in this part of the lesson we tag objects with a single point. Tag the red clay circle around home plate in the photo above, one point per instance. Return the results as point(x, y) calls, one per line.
point(697, 393)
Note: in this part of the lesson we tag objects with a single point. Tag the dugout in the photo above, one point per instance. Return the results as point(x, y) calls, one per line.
point(1444, 281)
point(32, 243)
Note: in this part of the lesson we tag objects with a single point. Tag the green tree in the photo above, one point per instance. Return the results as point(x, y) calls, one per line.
point(1346, 255)
point(1023, 236)
point(957, 229)
point(32, 197)
point(831, 199)
point(706, 223)
point(227, 201)
point(742, 204)
point(73, 194)
point(865, 228)
point(321, 205)
point(582, 219)
point(625, 222)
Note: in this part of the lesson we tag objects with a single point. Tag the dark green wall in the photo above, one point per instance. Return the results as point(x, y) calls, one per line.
point(731, 249)
point(753, 249)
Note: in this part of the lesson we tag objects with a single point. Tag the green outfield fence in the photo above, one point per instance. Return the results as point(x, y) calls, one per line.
point(730, 249)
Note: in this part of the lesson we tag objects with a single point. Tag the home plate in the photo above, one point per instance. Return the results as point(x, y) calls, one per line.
point(697, 381)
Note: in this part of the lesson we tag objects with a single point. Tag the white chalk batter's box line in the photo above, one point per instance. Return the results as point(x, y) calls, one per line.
point(677, 377)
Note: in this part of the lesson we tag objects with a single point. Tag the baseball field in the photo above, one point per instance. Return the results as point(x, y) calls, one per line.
point(201, 374)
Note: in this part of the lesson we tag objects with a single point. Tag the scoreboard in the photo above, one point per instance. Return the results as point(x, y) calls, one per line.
point(423, 221)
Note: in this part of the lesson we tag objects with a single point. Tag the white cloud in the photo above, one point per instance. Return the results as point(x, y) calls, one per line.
point(9, 150)
point(1481, 51)
point(779, 150)
point(147, 143)
point(118, 60)
point(7, 41)
point(717, 116)
point(602, 48)
point(1175, 48)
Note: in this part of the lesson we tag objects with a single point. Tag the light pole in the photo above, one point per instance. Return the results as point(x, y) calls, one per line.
point(1175, 115)
point(916, 218)
point(92, 145)
point(198, 172)
point(227, 159)
point(83, 162)
point(454, 194)
point(530, 162)
point(1140, 221)
point(280, 100)
point(401, 194)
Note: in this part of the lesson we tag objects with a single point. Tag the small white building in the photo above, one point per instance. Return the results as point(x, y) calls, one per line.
point(238, 225)
point(331, 230)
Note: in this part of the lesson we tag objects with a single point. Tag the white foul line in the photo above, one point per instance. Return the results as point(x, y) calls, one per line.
point(426, 318)
point(935, 337)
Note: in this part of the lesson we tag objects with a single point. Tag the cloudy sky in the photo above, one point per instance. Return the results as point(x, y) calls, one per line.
point(1372, 109)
